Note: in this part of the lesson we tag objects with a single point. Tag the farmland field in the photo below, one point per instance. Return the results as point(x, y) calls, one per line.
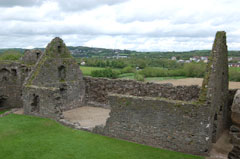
point(193, 81)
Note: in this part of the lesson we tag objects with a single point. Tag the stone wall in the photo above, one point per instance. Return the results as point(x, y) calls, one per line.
point(97, 90)
point(168, 124)
point(31, 56)
point(42, 101)
point(12, 76)
point(235, 128)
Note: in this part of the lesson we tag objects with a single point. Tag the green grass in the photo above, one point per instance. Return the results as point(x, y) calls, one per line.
point(235, 68)
point(127, 76)
point(3, 111)
point(86, 70)
point(26, 137)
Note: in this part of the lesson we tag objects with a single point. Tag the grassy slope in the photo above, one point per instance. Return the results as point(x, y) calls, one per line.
point(25, 137)
point(2, 111)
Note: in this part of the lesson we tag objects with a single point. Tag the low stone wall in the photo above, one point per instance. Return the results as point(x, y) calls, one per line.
point(168, 124)
point(97, 90)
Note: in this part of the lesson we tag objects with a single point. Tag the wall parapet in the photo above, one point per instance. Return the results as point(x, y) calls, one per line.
point(97, 90)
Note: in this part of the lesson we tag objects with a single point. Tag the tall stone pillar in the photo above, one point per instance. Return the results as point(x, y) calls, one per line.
point(215, 85)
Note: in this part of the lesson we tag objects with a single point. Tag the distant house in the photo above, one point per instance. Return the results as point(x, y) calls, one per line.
point(234, 65)
point(173, 58)
point(199, 58)
point(120, 57)
point(180, 61)
point(205, 61)
point(203, 58)
point(230, 59)
point(83, 63)
point(234, 59)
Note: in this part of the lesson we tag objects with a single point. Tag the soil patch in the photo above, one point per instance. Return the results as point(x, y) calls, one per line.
point(88, 117)
point(194, 81)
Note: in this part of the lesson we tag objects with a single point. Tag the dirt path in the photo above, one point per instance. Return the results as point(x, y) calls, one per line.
point(221, 149)
point(19, 111)
point(194, 81)
point(88, 117)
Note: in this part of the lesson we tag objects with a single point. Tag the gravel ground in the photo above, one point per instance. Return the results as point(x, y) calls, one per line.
point(88, 117)
point(221, 149)
point(194, 81)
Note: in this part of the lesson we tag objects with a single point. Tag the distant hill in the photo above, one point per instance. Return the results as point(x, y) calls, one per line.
point(81, 51)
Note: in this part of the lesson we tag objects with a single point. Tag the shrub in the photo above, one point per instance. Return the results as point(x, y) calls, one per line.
point(10, 55)
point(108, 72)
point(176, 72)
point(194, 69)
point(138, 77)
point(128, 69)
point(154, 72)
point(234, 75)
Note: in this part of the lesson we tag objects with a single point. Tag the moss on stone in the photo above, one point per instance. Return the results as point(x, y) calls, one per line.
point(220, 35)
point(204, 89)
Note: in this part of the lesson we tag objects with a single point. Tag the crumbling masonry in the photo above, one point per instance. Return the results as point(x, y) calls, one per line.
point(181, 118)
point(55, 84)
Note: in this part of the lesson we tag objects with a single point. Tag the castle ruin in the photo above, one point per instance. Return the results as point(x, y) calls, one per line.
point(181, 118)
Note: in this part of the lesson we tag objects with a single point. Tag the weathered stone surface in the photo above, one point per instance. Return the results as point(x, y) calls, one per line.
point(236, 109)
point(215, 85)
point(97, 90)
point(235, 129)
point(175, 125)
point(31, 56)
point(235, 153)
point(12, 76)
point(56, 83)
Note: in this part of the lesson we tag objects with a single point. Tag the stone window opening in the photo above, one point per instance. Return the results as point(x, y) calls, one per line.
point(35, 104)
point(4, 73)
point(2, 102)
point(62, 89)
point(38, 55)
point(59, 48)
point(14, 72)
point(62, 73)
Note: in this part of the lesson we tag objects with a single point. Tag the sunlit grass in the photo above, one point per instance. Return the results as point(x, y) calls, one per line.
point(26, 137)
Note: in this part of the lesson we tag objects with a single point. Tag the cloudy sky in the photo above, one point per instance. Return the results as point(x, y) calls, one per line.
point(144, 25)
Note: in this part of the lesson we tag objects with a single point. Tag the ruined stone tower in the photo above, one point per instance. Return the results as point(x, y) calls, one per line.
point(31, 56)
point(55, 84)
point(215, 85)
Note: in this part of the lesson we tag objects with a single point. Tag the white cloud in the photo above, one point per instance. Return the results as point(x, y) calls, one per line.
point(130, 24)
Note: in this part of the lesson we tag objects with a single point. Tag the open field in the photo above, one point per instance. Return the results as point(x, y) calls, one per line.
point(193, 81)
point(87, 70)
point(27, 137)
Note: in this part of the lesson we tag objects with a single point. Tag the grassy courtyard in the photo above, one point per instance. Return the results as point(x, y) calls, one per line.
point(26, 137)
